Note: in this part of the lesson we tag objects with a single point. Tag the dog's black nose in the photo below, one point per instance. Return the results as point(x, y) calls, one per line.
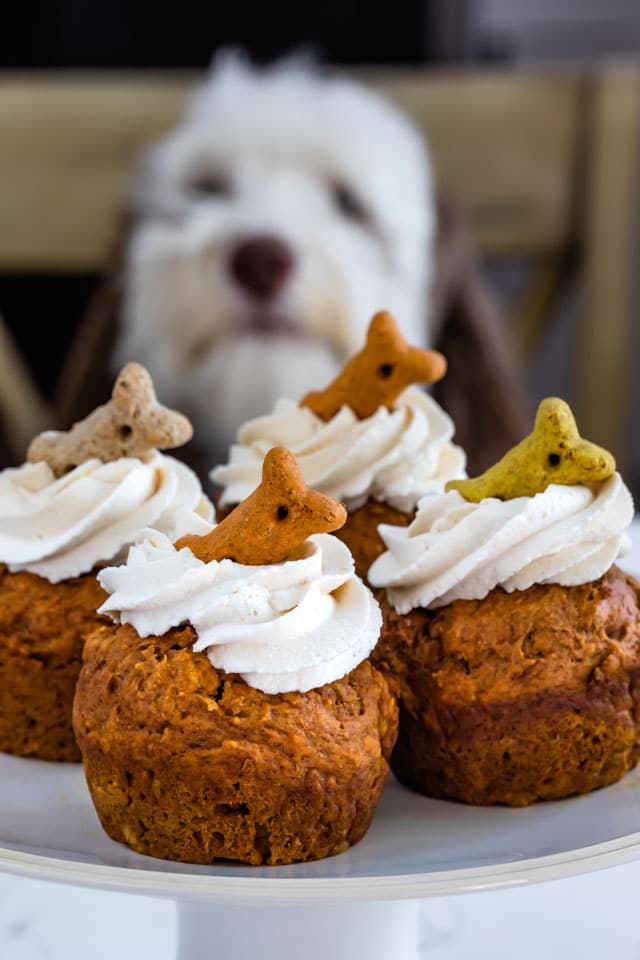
point(260, 265)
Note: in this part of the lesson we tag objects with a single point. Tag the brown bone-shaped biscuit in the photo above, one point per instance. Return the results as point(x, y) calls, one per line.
point(130, 425)
point(378, 374)
point(275, 519)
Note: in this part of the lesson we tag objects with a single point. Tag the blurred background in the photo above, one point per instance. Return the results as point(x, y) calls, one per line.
point(531, 113)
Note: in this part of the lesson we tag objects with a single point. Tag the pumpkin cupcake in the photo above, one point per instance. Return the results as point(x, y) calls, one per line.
point(230, 711)
point(513, 638)
point(370, 439)
point(75, 504)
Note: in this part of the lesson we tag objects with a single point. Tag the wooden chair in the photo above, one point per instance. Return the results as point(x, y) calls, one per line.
point(543, 163)
point(23, 412)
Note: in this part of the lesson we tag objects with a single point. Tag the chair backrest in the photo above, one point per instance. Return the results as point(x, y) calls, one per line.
point(542, 163)
point(505, 145)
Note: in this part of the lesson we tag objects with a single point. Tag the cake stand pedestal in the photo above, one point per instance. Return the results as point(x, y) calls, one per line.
point(348, 931)
point(360, 905)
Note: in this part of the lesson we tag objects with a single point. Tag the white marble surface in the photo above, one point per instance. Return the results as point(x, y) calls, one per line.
point(589, 916)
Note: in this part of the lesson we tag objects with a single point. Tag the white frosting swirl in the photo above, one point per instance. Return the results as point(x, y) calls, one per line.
point(456, 550)
point(287, 626)
point(394, 455)
point(62, 527)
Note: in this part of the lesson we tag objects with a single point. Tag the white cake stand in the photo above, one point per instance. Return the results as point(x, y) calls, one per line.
point(361, 905)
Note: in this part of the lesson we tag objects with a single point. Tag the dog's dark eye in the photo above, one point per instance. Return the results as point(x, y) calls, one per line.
point(209, 183)
point(348, 202)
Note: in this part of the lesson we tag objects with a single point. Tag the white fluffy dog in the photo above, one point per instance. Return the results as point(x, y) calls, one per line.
point(269, 226)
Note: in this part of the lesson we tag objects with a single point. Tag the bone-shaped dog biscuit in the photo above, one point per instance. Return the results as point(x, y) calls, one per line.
point(275, 519)
point(553, 453)
point(378, 374)
point(130, 425)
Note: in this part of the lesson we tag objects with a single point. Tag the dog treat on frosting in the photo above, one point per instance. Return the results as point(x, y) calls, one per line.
point(130, 425)
point(553, 453)
point(275, 519)
point(378, 374)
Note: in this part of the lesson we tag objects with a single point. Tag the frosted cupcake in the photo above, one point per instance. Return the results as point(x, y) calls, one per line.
point(370, 440)
point(76, 504)
point(513, 638)
point(231, 711)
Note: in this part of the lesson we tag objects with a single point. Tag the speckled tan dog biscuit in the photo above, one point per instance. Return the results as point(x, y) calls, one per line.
point(378, 374)
point(130, 425)
point(275, 519)
point(553, 453)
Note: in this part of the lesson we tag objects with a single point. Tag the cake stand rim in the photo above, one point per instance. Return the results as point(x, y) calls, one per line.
point(322, 890)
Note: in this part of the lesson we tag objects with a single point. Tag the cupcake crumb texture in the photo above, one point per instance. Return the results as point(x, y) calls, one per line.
point(41, 638)
point(189, 763)
point(517, 697)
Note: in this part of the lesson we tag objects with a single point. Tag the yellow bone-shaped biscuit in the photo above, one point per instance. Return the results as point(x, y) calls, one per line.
point(275, 519)
point(130, 425)
point(378, 374)
point(554, 453)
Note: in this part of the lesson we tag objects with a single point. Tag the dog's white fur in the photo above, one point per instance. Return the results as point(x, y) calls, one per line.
point(281, 138)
